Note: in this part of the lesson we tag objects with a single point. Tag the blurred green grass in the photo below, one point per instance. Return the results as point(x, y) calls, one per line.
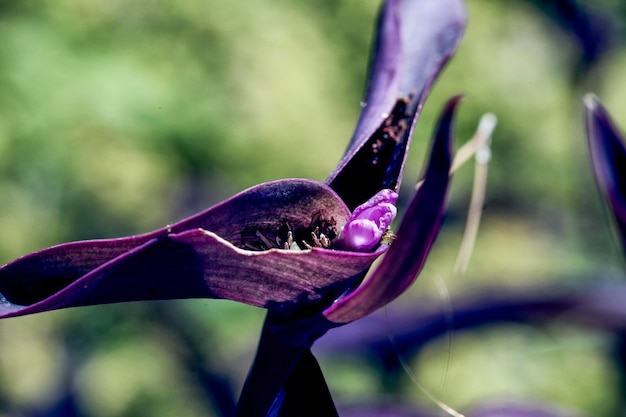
point(120, 117)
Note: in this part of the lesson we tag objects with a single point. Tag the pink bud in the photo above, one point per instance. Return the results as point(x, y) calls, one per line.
point(369, 222)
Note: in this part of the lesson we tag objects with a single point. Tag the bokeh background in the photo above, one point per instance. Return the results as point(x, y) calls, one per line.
point(119, 117)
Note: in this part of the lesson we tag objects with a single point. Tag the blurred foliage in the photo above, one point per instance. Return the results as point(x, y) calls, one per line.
point(119, 117)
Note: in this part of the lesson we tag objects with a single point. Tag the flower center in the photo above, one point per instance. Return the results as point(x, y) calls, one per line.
point(318, 234)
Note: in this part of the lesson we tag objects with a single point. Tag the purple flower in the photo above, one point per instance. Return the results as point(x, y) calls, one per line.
point(369, 222)
point(608, 159)
point(238, 248)
point(297, 247)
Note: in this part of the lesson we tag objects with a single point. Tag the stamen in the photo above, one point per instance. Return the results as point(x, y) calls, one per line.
point(324, 240)
point(316, 240)
point(265, 240)
point(319, 234)
point(388, 237)
point(291, 244)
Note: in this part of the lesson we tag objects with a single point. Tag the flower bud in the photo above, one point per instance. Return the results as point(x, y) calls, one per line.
point(369, 222)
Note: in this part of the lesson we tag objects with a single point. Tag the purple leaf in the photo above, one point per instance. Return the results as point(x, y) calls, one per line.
point(284, 343)
point(383, 84)
point(303, 393)
point(608, 159)
point(201, 256)
point(306, 392)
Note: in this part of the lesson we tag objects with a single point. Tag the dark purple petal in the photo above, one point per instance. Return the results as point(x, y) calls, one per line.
point(415, 40)
point(35, 277)
point(276, 279)
point(416, 234)
point(608, 159)
point(197, 257)
point(383, 84)
point(428, 41)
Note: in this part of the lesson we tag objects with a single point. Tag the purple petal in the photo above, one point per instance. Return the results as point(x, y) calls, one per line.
point(428, 43)
point(384, 81)
point(416, 234)
point(279, 280)
point(197, 257)
point(608, 159)
point(369, 222)
point(415, 40)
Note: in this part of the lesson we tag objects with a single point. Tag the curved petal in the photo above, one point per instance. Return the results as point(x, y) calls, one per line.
point(429, 41)
point(279, 280)
point(383, 82)
point(415, 40)
point(608, 159)
point(292, 201)
point(188, 261)
point(416, 234)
